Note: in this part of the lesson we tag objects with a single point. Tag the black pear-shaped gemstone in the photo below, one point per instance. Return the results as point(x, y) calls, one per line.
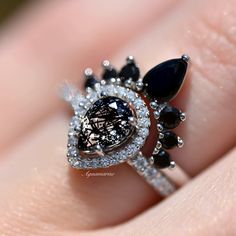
point(164, 80)
point(170, 140)
point(109, 73)
point(162, 159)
point(170, 117)
point(130, 70)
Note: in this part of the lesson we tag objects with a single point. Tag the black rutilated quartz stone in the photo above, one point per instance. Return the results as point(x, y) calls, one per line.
point(106, 124)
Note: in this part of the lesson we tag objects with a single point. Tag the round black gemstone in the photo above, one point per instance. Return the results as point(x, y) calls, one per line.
point(105, 125)
point(90, 82)
point(164, 80)
point(162, 159)
point(130, 70)
point(170, 117)
point(170, 140)
point(109, 73)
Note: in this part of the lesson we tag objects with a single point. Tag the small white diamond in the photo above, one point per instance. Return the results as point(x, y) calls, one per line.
point(138, 103)
point(144, 122)
point(104, 162)
point(122, 155)
point(79, 100)
point(129, 150)
point(71, 132)
point(150, 173)
point(143, 132)
point(75, 122)
point(98, 87)
point(122, 92)
point(139, 141)
point(92, 97)
point(140, 163)
point(134, 147)
point(94, 163)
point(131, 96)
point(114, 162)
point(84, 164)
point(72, 152)
point(79, 111)
point(72, 141)
point(143, 112)
point(111, 90)
point(72, 160)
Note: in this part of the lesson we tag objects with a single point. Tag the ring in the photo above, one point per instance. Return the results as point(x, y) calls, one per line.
point(118, 115)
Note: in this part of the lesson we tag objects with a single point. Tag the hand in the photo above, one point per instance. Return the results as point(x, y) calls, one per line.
point(53, 41)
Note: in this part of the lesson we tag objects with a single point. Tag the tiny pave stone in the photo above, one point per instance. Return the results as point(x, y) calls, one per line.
point(72, 152)
point(143, 132)
point(170, 140)
point(170, 117)
point(162, 159)
point(138, 102)
point(131, 96)
point(150, 173)
point(72, 141)
point(75, 122)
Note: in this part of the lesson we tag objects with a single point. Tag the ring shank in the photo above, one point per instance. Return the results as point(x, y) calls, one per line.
point(156, 178)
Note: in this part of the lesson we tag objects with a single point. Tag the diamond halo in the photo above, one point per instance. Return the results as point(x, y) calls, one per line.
point(81, 103)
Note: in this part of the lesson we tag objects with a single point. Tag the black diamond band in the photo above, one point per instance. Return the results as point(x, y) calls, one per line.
point(112, 119)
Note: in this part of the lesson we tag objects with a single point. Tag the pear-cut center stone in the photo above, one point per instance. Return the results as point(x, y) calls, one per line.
point(106, 125)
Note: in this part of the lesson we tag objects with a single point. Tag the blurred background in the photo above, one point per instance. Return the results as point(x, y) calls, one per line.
point(9, 7)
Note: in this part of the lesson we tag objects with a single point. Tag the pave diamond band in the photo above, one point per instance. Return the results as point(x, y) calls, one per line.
point(156, 178)
point(115, 118)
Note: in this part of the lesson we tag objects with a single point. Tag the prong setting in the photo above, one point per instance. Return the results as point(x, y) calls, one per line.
point(185, 57)
point(182, 116)
point(180, 142)
point(172, 165)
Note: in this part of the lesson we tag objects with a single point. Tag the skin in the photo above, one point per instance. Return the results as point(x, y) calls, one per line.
point(48, 43)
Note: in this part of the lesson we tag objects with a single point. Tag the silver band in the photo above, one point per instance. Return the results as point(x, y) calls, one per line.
point(157, 179)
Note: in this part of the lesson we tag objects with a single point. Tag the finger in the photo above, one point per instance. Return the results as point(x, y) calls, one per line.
point(54, 42)
point(128, 205)
point(206, 206)
point(41, 192)
point(209, 38)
